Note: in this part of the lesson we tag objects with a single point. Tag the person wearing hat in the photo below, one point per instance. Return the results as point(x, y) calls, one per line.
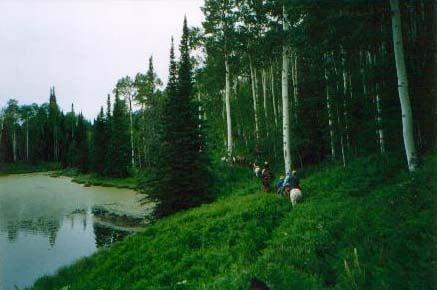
point(266, 176)
point(291, 180)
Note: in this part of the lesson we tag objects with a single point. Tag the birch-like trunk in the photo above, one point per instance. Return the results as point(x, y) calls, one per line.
point(143, 127)
point(330, 117)
point(264, 88)
point(343, 154)
point(275, 113)
point(345, 96)
point(131, 133)
point(294, 74)
point(199, 99)
point(379, 121)
point(378, 117)
point(228, 107)
point(285, 109)
point(255, 102)
point(225, 141)
point(264, 85)
point(363, 77)
point(407, 116)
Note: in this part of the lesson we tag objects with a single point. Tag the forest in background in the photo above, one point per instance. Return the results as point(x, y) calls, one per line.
point(291, 82)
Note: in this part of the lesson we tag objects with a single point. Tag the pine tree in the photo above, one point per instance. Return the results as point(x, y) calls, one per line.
point(108, 130)
point(81, 137)
point(119, 150)
point(53, 126)
point(183, 179)
point(99, 140)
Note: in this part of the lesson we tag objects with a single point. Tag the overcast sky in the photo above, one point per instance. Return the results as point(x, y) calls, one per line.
point(83, 47)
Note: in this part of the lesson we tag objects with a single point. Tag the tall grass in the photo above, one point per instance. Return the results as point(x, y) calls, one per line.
point(369, 226)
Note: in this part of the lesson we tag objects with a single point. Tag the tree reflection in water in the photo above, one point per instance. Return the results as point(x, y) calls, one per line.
point(49, 227)
point(105, 236)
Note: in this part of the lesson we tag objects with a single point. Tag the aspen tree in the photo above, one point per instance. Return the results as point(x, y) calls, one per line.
point(407, 116)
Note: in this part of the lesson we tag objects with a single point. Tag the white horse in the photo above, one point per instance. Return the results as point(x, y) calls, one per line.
point(257, 170)
point(295, 195)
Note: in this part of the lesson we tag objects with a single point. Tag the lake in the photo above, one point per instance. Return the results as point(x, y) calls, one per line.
point(47, 223)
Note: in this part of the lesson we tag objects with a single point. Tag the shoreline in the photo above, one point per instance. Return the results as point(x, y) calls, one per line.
point(92, 179)
point(125, 214)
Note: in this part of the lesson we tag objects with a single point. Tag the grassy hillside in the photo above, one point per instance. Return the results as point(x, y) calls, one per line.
point(366, 226)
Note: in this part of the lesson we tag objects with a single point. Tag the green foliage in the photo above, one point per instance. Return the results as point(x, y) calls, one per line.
point(181, 179)
point(22, 167)
point(130, 182)
point(380, 239)
point(119, 149)
point(81, 138)
point(99, 143)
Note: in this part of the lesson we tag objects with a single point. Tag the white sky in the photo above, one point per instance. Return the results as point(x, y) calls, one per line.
point(83, 47)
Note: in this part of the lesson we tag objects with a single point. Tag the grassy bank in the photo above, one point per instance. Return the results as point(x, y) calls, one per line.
point(22, 167)
point(369, 226)
point(97, 180)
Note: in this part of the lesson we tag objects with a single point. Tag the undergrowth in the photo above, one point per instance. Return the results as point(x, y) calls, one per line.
point(368, 226)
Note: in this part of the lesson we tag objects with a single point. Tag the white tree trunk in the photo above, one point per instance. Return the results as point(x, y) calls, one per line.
point(199, 99)
point(275, 113)
point(228, 107)
point(330, 117)
point(379, 121)
point(294, 75)
point(223, 93)
point(345, 96)
point(407, 116)
point(363, 77)
point(378, 117)
point(264, 85)
point(343, 154)
point(285, 109)
point(255, 102)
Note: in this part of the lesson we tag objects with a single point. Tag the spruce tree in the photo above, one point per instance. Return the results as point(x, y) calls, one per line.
point(99, 143)
point(183, 179)
point(81, 137)
point(53, 127)
point(119, 150)
point(107, 145)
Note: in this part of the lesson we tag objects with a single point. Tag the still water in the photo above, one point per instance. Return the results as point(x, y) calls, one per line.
point(47, 223)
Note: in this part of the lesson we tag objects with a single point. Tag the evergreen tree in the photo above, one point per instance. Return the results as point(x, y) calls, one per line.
point(119, 156)
point(53, 126)
point(69, 132)
point(81, 137)
point(99, 143)
point(183, 179)
point(108, 129)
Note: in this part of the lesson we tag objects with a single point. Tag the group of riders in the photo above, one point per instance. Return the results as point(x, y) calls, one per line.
point(283, 186)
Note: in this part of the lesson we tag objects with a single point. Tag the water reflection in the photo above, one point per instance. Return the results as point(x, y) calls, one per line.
point(105, 236)
point(45, 224)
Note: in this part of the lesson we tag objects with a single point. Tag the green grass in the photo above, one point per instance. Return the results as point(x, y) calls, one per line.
point(97, 180)
point(369, 226)
point(22, 167)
